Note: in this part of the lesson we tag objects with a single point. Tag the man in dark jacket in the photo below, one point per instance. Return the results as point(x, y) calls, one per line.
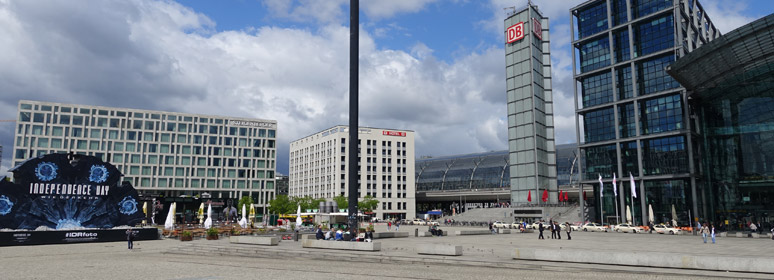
point(130, 237)
point(540, 228)
point(319, 234)
point(558, 230)
point(553, 228)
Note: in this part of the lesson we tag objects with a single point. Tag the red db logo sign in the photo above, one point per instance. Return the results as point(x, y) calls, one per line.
point(514, 33)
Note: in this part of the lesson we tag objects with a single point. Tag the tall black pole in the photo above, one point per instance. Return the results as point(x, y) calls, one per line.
point(354, 24)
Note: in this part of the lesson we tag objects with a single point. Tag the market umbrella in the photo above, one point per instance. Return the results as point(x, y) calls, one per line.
point(243, 221)
point(566, 197)
point(170, 222)
point(252, 214)
point(145, 208)
point(560, 196)
point(529, 196)
point(674, 216)
point(545, 195)
point(298, 217)
point(201, 213)
point(628, 215)
point(208, 221)
point(650, 213)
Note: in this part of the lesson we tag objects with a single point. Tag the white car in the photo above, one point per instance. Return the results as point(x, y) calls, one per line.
point(433, 223)
point(500, 225)
point(593, 227)
point(536, 226)
point(418, 222)
point(515, 225)
point(627, 228)
point(663, 229)
point(575, 227)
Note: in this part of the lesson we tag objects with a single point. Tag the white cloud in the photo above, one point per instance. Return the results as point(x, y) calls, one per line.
point(337, 11)
point(729, 15)
point(163, 56)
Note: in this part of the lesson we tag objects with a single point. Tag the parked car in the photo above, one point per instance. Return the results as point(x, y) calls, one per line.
point(500, 225)
point(418, 222)
point(593, 227)
point(515, 225)
point(627, 228)
point(575, 227)
point(663, 229)
point(431, 223)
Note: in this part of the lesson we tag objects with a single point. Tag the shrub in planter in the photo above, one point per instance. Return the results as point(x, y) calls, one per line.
point(212, 233)
point(186, 236)
point(282, 230)
point(234, 231)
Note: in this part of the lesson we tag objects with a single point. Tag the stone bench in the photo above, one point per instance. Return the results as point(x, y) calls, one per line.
point(255, 240)
point(472, 232)
point(342, 245)
point(439, 249)
point(390, 234)
point(428, 234)
point(503, 231)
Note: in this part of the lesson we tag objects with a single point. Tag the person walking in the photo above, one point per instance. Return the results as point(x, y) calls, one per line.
point(540, 228)
point(397, 225)
point(650, 227)
point(712, 232)
point(558, 229)
point(551, 227)
point(704, 232)
point(130, 238)
point(568, 228)
point(389, 225)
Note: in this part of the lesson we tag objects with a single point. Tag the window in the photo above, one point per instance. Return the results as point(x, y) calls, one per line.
point(118, 146)
point(653, 36)
point(64, 119)
point(623, 77)
point(626, 125)
point(599, 125)
point(592, 19)
point(181, 138)
point(641, 8)
point(95, 133)
point(130, 147)
point(153, 159)
point(43, 143)
point(56, 143)
point(135, 159)
point(271, 133)
point(148, 136)
point(619, 12)
point(594, 54)
point(600, 160)
point(661, 114)
point(629, 158)
point(652, 77)
point(621, 45)
point(93, 145)
point(597, 89)
point(664, 156)
point(39, 117)
point(37, 130)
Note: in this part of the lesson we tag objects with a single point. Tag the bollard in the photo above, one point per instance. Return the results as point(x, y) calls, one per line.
point(295, 236)
point(416, 232)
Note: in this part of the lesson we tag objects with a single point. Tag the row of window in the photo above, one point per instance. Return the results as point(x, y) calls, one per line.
point(146, 182)
point(592, 18)
point(660, 156)
point(122, 124)
point(657, 115)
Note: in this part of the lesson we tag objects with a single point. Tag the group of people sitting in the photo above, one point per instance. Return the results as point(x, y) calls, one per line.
point(434, 230)
point(342, 235)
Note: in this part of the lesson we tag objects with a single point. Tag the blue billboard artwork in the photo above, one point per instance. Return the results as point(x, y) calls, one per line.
point(60, 191)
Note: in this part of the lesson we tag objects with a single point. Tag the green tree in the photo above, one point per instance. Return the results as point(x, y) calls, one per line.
point(281, 205)
point(368, 204)
point(245, 200)
point(306, 202)
point(342, 201)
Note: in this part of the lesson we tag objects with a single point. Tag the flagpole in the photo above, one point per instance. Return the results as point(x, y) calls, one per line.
point(617, 217)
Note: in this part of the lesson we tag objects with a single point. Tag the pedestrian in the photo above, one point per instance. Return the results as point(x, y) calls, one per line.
point(389, 225)
point(130, 237)
point(540, 228)
point(760, 228)
point(650, 227)
point(319, 235)
point(553, 229)
point(558, 229)
point(753, 228)
point(712, 232)
point(568, 228)
point(704, 232)
point(491, 228)
point(397, 225)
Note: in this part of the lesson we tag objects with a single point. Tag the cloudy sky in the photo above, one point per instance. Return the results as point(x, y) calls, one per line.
point(435, 67)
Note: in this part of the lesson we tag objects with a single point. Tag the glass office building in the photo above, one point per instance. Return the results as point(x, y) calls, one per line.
point(631, 116)
point(730, 84)
point(172, 156)
point(530, 106)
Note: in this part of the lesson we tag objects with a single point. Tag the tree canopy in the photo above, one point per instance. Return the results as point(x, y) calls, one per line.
point(245, 200)
point(342, 201)
point(368, 204)
point(281, 205)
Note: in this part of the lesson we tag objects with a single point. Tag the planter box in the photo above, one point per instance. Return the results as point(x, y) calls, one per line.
point(186, 238)
point(212, 237)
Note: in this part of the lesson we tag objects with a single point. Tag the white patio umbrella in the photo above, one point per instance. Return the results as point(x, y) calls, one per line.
point(628, 215)
point(674, 216)
point(170, 222)
point(208, 221)
point(298, 217)
point(650, 213)
point(243, 221)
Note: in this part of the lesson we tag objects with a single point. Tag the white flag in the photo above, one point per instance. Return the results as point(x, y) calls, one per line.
point(615, 187)
point(601, 186)
point(631, 182)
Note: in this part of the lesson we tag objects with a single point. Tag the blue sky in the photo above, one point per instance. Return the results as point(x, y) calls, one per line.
point(431, 66)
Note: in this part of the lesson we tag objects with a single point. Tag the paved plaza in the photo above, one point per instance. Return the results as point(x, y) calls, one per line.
point(484, 257)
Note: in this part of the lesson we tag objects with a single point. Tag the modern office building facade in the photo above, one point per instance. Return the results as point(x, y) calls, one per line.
point(319, 164)
point(530, 106)
point(631, 116)
point(730, 83)
point(167, 155)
